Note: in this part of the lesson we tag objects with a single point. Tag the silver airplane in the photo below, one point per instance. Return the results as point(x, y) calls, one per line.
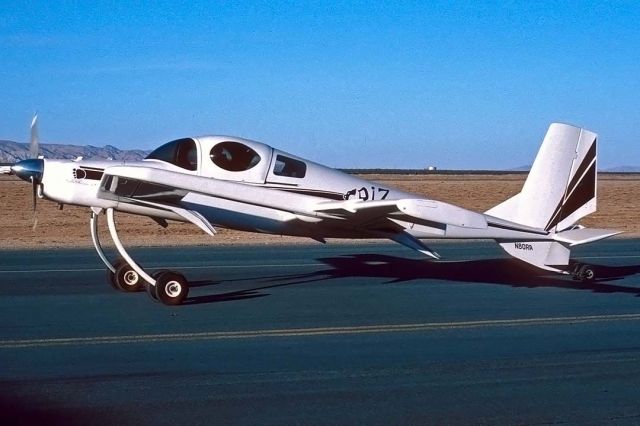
point(230, 182)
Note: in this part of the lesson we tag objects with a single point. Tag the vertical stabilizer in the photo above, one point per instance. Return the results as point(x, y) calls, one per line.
point(561, 186)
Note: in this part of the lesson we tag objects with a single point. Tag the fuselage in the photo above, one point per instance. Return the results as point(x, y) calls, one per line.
point(246, 185)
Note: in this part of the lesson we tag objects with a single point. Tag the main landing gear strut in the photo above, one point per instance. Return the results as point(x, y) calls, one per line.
point(168, 287)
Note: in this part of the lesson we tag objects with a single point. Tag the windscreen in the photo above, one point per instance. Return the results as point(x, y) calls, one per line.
point(181, 152)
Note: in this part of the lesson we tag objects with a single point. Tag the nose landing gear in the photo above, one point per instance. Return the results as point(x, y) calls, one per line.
point(168, 287)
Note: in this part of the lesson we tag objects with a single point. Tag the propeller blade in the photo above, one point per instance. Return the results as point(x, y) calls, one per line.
point(34, 145)
point(34, 198)
point(34, 186)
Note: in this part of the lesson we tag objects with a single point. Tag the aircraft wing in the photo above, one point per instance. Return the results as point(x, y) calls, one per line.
point(170, 187)
point(392, 218)
point(419, 211)
point(171, 191)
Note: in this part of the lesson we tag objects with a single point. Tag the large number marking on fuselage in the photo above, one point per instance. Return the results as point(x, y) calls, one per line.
point(364, 193)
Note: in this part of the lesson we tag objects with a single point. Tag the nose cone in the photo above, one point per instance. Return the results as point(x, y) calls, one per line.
point(27, 169)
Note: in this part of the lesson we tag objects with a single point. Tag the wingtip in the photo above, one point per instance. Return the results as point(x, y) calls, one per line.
point(431, 254)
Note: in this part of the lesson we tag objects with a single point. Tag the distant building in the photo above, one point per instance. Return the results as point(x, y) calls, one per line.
point(432, 168)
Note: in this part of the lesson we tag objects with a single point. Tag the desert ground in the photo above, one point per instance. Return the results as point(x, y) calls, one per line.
point(618, 206)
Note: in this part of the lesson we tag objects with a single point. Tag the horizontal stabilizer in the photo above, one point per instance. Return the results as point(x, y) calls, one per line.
point(554, 255)
point(576, 237)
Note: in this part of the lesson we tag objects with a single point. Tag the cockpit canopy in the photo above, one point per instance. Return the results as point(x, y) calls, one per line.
point(234, 159)
point(180, 152)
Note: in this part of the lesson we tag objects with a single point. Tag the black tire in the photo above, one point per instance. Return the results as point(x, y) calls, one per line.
point(172, 288)
point(157, 273)
point(151, 291)
point(587, 273)
point(111, 276)
point(127, 279)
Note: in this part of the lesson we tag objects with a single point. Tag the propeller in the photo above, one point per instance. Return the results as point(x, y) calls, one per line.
point(31, 169)
point(34, 143)
point(34, 150)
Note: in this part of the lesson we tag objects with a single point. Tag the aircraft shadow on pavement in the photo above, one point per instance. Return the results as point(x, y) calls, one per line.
point(398, 270)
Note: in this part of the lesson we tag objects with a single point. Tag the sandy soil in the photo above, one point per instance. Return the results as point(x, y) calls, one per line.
point(618, 206)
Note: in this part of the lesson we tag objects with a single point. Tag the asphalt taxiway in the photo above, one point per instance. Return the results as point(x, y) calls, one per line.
point(335, 334)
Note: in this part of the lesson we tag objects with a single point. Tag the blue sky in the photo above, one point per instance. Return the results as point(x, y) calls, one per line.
point(350, 84)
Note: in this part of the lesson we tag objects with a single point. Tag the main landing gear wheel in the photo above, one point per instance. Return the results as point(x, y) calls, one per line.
point(584, 273)
point(171, 288)
point(151, 289)
point(127, 279)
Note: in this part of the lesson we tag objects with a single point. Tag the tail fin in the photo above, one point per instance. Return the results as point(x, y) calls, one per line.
point(561, 186)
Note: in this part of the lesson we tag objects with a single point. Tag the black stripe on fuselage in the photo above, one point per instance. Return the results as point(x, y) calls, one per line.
point(513, 228)
point(312, 192)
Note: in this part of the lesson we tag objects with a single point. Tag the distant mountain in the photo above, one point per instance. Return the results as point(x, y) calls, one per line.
point(10, 152)
point(619, 169)
point(623, 169)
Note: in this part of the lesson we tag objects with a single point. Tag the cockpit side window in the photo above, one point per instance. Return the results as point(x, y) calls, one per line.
point(289, 167)
point(181, 152)
point(234, 156)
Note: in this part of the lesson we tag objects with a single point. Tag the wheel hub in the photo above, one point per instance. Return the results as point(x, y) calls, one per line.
point(173, 288)
point(131, 277)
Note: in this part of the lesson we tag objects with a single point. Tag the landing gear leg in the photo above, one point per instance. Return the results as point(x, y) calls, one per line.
point(119, 274)
point(96, 242)
point(170, 288)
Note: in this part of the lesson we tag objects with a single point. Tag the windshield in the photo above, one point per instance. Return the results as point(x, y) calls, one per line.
point(181, 152)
